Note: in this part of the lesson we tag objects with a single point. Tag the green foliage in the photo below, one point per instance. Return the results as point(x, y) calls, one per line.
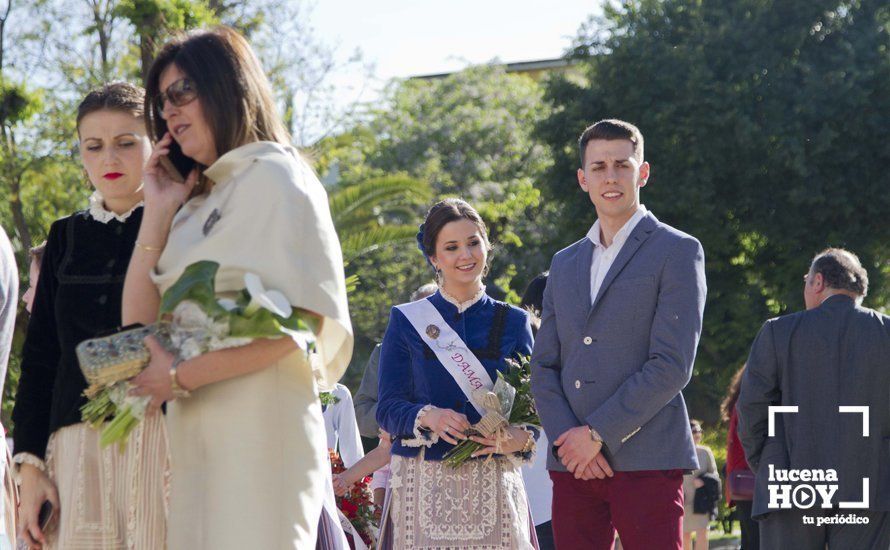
point(196, 284)
point(17, 104)
point(171, 14)
point(376, 212)
point(764, 127)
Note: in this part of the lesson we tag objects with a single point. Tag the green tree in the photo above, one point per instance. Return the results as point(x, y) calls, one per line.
point(155, 20)
point(763, 126)
point(470, 135)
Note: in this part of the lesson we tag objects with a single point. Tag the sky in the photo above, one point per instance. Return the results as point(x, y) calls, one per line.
point(403, 38)
point(408, 38)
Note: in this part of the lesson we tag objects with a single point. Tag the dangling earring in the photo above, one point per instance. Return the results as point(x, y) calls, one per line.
point(439, 279)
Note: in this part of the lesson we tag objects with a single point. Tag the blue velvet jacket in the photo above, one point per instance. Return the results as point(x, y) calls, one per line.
point(411, 376)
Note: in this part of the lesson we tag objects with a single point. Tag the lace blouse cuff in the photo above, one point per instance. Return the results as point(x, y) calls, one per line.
point(422, 436)
point(26, 458)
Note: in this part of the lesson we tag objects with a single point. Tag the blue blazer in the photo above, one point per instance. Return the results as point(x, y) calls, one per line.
point(618, 365)
point(411, 376)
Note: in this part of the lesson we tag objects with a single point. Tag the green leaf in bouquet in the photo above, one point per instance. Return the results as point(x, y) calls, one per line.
point(243, 300)
point(299, 322)
point(327, 398)
point(262, 324)
point(196, 284)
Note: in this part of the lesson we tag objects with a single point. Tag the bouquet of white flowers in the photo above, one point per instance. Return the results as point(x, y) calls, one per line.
point(194, 321)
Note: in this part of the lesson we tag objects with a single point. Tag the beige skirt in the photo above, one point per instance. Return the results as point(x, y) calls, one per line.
point(110, 498)
point(249, 462)
point(480, 506)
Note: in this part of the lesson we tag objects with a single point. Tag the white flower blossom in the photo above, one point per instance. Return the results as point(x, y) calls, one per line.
point(189, 316)
point(189, 349)
point(219, 329)
point(225, 343)
point(273, 300)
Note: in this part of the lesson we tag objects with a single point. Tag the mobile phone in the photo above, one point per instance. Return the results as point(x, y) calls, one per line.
point(171, 170)
point(177, 159)
point(45, 516)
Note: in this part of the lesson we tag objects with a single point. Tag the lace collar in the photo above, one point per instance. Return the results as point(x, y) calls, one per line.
point(102, 215)
point(462, 306)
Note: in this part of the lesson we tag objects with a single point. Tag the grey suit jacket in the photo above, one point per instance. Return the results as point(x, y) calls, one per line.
point(618, 365)
point(837, 354)
point(365, 399)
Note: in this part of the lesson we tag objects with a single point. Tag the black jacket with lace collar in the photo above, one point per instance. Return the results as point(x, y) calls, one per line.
point(78, 297)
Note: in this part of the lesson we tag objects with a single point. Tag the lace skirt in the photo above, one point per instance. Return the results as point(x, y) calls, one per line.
point(480, 506)
point(110, 499)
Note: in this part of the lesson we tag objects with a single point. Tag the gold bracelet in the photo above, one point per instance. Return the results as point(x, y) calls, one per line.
point(530, 442)
point(148, 248)
point(178, 391)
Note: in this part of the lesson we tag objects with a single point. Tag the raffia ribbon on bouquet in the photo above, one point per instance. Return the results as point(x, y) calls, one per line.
point(493, 424)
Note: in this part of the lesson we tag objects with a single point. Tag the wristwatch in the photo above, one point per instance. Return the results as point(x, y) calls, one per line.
point(595, 435)
point(178, 391)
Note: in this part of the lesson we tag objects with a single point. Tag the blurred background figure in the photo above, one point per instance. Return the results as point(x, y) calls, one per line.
point(340, 426)
point(695, 520)
point(739, 477)
point(36, 255)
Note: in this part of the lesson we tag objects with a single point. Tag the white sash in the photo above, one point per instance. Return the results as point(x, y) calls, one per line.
point(450, 349)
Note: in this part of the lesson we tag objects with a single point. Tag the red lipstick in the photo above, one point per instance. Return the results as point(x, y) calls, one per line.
point(112, 175)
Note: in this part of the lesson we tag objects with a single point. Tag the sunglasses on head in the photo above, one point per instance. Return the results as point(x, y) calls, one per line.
point(179, 93)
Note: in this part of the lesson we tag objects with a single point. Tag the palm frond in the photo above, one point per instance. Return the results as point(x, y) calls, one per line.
point(375, 195)
point(361, 242)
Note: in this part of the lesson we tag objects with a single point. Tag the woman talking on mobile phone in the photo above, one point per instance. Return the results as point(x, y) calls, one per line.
point(101, 498)
point(246, 430)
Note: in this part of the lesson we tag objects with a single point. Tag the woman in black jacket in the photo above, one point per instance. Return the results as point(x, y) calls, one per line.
point(101, 498)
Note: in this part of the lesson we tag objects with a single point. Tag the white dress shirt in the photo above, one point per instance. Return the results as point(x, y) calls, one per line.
point(342, 428)
point(603, 256)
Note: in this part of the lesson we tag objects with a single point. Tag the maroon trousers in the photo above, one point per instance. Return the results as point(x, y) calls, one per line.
point(645, 507)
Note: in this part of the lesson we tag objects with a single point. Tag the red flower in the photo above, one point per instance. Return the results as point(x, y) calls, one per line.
point(348, 508)
point(357, 504)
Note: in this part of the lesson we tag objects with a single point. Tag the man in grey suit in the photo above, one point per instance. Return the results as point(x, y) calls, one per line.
point(830, 367)
point(621, 321)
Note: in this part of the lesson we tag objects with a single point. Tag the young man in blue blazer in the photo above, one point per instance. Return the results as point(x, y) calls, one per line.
point(621, 322)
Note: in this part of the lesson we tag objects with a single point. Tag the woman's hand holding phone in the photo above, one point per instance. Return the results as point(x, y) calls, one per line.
point(36, 489)
point(165, 189)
